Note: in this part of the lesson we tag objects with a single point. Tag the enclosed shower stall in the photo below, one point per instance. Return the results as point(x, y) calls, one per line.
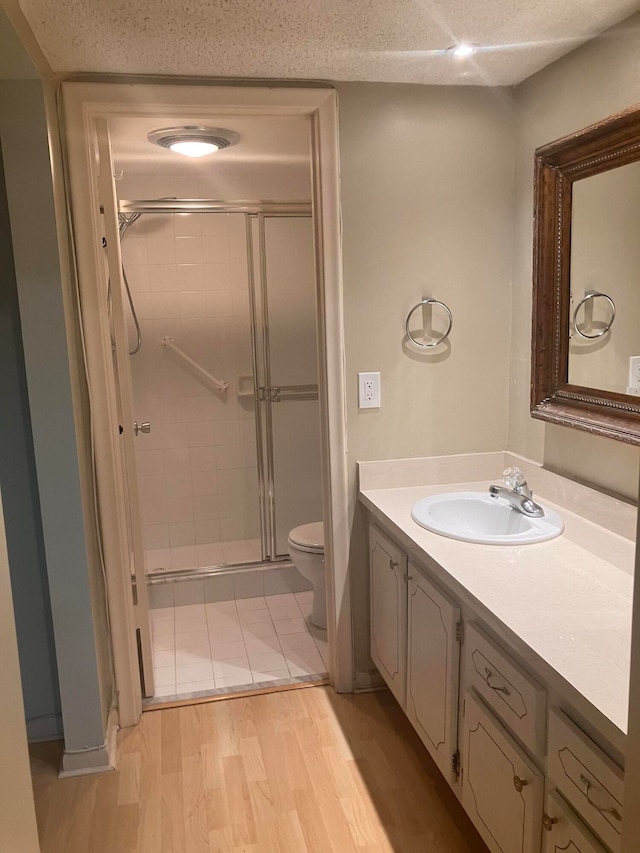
point(199, 316)
point(223, 348)
point(220, 306)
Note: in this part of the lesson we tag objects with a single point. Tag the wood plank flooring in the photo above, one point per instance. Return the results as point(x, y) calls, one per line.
point(304, 771)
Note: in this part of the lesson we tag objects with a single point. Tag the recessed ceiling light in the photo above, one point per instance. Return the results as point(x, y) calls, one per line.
point(463, 50)
point(193, 141)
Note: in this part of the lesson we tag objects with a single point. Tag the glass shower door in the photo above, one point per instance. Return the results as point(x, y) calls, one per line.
point(288, 387)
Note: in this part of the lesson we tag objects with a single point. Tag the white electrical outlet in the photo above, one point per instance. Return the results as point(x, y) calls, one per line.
point(368, 390)
point(634, 371)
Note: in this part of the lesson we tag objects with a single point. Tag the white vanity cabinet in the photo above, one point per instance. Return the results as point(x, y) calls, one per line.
point(503, 790)
point(433, 658)
point(511, 693)
point(388, 611)
point(484, 717)
point(564, 831)
point(587, 778)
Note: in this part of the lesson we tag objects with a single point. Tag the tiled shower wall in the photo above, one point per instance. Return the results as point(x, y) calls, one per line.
point(197, 469)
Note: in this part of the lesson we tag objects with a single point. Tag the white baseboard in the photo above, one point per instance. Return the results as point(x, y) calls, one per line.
point(101, 759)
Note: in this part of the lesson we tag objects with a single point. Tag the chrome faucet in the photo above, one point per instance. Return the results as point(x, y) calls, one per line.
point(518, 493)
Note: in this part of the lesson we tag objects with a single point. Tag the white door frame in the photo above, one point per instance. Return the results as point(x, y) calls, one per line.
point(84, 103)
point(120, 345)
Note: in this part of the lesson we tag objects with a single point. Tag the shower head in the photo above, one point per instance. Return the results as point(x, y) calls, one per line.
point(127, 219)
point(124, 221)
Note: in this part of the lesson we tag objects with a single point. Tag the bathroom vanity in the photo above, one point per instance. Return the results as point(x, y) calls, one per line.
point(511, 662)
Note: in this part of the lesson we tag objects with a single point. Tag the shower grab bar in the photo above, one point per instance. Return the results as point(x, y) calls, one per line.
point(220, 384)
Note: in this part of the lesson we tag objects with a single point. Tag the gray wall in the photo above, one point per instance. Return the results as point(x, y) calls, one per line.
point(23, 132)
point(18, 480)
point(67, 541)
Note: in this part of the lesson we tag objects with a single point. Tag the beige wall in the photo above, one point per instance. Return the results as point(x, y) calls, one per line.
point(598, 79)
point(427, 194)
point(605, 256)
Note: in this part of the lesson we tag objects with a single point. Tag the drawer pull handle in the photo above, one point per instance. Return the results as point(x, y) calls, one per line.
point(393, 565)
point(497, 687)
point(604, 810)
point(519, 783)
point(549, 822)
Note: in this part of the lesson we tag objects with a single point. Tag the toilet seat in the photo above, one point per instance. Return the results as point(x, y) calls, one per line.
point(308, 537)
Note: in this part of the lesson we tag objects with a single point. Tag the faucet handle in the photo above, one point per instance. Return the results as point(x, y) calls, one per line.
point(513, 477)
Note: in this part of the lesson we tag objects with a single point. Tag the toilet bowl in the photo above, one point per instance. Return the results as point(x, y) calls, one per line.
point(306, 549)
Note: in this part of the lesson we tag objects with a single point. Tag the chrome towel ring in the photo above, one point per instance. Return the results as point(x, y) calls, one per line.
point(428, 301)
point(594, 294)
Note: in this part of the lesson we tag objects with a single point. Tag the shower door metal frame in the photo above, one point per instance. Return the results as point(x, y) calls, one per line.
point(210, 205)
point(264, 393)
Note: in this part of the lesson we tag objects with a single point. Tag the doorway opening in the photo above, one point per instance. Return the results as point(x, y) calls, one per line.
point(219, 366)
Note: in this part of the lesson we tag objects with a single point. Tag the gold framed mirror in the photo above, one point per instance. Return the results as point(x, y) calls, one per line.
point(586, 280)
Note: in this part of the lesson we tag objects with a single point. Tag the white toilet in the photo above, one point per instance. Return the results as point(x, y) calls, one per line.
point(306, 549)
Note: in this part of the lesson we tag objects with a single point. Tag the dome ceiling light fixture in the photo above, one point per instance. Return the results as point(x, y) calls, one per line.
point(193, 141)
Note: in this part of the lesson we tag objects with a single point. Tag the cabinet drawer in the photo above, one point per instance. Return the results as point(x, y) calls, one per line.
point(514, 696)
point(502, 790)
point(587, 778)
point(565, 831)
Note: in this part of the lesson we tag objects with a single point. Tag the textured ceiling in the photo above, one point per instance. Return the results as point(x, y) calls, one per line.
point(376, 40)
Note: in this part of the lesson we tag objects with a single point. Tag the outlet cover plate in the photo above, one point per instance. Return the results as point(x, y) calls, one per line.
point(368, 390)
point(634, 371)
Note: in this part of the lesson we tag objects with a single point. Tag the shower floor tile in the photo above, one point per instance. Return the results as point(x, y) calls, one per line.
point(199, 648)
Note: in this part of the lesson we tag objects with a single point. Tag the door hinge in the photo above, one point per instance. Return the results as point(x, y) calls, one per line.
point(455, 763)
point(460, 632)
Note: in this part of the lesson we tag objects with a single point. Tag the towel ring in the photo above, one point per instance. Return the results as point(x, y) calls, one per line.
point(593, 294)
point(428, 301)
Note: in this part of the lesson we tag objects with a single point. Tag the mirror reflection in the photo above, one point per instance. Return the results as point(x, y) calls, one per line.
point(604, 322)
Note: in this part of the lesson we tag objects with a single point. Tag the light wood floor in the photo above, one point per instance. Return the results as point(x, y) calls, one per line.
point(305, 771)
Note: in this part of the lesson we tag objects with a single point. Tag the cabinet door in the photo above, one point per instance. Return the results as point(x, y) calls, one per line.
point(388, 591)
point(586, 778)
point(433, 666)
point(564, 831)
point(502, 790)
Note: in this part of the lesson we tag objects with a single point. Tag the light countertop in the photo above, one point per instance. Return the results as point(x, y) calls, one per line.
point(569, 600)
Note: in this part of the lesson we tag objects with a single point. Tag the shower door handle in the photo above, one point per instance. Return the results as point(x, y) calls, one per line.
point(282, 393)
point(143, 427)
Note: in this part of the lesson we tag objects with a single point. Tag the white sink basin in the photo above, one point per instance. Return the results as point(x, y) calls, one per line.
point(477, 517)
